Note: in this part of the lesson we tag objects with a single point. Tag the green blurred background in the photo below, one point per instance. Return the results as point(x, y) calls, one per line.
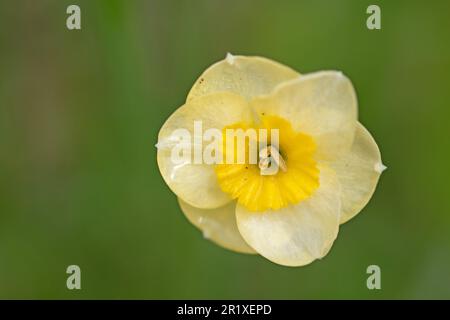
point(79, 117)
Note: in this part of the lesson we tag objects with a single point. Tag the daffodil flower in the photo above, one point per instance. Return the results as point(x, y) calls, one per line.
point(329, 162)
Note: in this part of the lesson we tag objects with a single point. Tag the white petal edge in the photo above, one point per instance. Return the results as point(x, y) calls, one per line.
point(296, 235)
point(246, 76)
point(358, 172)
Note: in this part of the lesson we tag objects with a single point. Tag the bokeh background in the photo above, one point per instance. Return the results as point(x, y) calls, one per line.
point(79, 117)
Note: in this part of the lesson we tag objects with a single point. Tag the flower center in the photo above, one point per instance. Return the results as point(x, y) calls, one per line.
point(270, 160)
point(285, 173)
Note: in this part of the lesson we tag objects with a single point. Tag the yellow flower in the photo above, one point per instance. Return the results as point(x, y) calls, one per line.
point(329, 164)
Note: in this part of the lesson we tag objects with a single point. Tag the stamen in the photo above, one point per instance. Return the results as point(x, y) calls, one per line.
point(269, 156)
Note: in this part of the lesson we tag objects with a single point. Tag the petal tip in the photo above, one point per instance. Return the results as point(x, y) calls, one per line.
point(164, 144)
point(379, 167)
point(230, 59)
point(206, 234)
point(340, 75)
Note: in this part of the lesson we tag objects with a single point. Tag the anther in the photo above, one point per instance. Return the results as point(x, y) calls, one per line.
point(269, 156)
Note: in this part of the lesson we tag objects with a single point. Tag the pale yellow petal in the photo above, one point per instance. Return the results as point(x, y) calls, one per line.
point(299, 234)
point(358, 172)
point(197, 184)
point(321, 104)
point(246, 76)
point(218, 225)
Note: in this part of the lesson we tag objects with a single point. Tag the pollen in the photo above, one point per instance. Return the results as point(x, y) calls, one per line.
point(284, 174)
